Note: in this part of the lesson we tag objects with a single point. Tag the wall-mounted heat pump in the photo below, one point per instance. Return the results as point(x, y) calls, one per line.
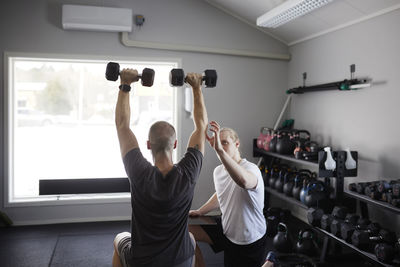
point(93, 18)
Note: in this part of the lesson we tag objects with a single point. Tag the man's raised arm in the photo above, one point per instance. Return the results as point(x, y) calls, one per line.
point(198, 137)
point(127, 139)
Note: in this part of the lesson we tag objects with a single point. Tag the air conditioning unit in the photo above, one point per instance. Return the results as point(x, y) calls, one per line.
point(93, 18)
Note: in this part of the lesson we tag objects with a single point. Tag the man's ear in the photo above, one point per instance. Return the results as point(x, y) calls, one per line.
point(237, 144)
point(176, 141)
point(148, 145)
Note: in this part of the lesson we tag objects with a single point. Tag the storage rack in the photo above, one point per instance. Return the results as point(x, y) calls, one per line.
point(362, 201)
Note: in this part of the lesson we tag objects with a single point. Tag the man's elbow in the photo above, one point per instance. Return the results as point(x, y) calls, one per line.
point(248, 183)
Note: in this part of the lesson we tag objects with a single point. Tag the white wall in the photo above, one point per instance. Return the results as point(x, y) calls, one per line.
point(248, 95)
point(365, 120)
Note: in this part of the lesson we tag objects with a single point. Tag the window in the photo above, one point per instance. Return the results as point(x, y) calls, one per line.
point(61, 120)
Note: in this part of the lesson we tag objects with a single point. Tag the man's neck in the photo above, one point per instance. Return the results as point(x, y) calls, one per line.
point(163, 161)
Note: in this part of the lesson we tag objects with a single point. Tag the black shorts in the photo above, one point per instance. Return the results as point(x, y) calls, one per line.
point(251, 255)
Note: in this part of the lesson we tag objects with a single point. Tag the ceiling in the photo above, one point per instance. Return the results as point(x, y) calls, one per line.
point(333, 16)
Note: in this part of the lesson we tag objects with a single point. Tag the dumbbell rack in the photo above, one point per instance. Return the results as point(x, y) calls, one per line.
point(340, 173)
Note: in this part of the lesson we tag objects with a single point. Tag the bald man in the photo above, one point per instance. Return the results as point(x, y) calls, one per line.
point(161, 194)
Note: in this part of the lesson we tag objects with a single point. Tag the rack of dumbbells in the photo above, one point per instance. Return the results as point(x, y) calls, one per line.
point(384, 194)
point(330, 209)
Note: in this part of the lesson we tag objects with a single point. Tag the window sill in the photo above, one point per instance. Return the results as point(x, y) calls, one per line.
point(81, 199)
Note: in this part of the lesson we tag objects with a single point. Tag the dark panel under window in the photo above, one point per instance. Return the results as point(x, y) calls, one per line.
point(83, 186)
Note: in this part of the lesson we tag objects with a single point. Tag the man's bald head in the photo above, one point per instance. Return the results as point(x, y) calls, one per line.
point(162, 137)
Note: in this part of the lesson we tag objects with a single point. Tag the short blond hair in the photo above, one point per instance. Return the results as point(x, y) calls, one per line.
point(232, 133)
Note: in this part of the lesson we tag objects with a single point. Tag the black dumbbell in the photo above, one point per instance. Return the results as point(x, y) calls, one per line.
point(384, 252)
point(363, 239)
point(349, 223)
point(370, 188)
point(396, 202)
point(388, 196)
point(347, 230)
point(314, 216)
point(337, 212)
point(326, 221)
point(177, 77)
point(360, 187)
point(339, 215)
point(353, 187)
point(396, 190)
point(112, 73)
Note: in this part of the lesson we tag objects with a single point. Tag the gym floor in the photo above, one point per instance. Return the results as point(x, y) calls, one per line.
point(77, 245)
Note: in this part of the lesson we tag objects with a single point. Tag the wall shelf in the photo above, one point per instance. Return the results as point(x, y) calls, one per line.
point(286, 198)
point(368, 200)
point(363, 253)
point(261, 152)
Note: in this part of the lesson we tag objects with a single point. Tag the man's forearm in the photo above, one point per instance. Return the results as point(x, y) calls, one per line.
point(241, 176)
point(210, 205)
point(122, 110)
point(199, 109)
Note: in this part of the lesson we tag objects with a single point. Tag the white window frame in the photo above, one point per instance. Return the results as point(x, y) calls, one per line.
point(8, 129)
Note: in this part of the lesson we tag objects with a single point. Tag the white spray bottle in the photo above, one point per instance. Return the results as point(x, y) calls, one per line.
point(330, 164)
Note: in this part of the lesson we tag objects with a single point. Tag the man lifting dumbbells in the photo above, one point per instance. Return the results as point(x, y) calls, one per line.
point(161, 195)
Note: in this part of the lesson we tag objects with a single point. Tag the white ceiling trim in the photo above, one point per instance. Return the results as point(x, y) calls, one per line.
point(348, 24)
point(246, 21)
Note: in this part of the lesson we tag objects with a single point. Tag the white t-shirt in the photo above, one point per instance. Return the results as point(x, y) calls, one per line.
point(242, 217)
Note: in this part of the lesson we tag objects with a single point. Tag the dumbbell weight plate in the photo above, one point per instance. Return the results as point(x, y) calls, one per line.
point(176, 77)
point(210, 78)
point(112, 71)
point(147, 77)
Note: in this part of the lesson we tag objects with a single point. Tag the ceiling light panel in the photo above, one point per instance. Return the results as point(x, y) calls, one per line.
point(288, 11)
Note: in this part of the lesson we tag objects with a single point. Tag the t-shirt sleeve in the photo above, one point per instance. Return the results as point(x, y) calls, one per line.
point(251, 167)
point(191, 163)
point(135, 163)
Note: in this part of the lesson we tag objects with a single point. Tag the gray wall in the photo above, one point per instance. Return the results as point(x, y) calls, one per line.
point(248, 95)
point(365, 120)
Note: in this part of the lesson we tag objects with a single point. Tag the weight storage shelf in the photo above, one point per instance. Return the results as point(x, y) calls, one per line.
point(365, 254)
point(261, 152)
point(286, 198)
point(368, 200)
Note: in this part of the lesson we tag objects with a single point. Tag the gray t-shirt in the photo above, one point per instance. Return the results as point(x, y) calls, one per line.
point(160, 208)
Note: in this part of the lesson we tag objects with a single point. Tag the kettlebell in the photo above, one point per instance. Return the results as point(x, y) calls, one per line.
point(267, 140)
point(281, 241)
point(306, 187)
point(315, 193)
point(288, 184)
point(305, 244)
point(267, 174)
point(284, 143)
point(272, 143)
point(298, 149)
point(276, 173)
point(301, 175)
point(280, 180)
point(261, 137)
point(273, 176)
point(311, 146)
point(272, 225)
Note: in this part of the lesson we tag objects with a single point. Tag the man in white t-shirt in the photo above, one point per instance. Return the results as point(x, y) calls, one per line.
point(240, 195)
